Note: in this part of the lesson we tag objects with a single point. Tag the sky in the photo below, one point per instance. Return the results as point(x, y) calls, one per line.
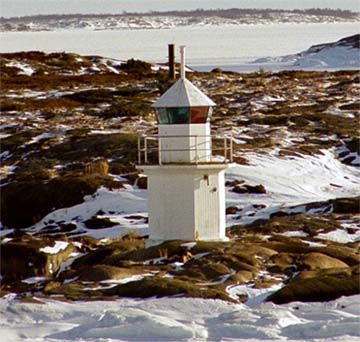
point(10, 8)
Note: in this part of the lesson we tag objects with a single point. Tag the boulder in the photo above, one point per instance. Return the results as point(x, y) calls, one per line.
point(313, 261)
point(234, 182)
point(317, 289)
point(241, 277)
point(73, 291)
point(110, 254)
point(282, 263)
point(300, 222)
point(344, 253)
point(202, 270)
point(33, 257)
point(265, 282)
point(105, 272)
point(142, 182)
point(346, 205)
point(96, 222)
point(231, 210)
point(163, 287)
point(251, 189)
point(251, 248)
point(239, 262)
point(341, 272)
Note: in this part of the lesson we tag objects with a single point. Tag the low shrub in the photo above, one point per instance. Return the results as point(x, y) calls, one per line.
point(92, 96)
point(136, 66)
point(10, 105)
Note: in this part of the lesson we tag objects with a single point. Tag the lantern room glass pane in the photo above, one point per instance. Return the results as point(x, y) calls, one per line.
point(179, 115)
point(162, 116)
point(183, 115)
point(199, 114)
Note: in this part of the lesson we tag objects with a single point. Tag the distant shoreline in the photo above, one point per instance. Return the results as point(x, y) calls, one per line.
point(254, 67)
point(225, 13)
point(171, 19)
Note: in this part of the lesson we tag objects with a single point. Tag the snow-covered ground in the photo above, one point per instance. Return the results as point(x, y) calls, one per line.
point(289, 181)
point(179, 319)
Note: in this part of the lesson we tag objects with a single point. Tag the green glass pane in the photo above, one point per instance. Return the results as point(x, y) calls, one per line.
point(179, 115)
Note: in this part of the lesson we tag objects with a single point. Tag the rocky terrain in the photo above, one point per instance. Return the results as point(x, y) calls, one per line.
point(170, 19)
point(74, 206)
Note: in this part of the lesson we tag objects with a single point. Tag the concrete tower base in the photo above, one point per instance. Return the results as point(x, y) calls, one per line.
point(186, 202)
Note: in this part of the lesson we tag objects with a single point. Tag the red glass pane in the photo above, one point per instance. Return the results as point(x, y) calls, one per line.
point(199, 114)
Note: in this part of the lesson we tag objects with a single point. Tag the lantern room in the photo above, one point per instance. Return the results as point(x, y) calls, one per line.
point(183, 104)
point(183, 113)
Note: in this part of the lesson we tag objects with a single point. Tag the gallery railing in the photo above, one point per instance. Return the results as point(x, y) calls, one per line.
point(205, 149)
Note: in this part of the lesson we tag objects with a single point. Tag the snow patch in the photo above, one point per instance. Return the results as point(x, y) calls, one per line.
point(340, 235)
point(290, 183)
point(59, 246)
point(25, 68)
point(122, 204)
point(34, 280)
point(294, 233)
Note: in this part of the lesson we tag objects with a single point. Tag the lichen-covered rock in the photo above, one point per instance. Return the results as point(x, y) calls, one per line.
point(282, 263)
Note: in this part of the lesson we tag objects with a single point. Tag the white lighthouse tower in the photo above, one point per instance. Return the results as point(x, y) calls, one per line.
point(186, 185)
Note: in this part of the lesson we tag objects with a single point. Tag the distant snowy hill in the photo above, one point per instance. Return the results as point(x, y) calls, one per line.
point(345, 53)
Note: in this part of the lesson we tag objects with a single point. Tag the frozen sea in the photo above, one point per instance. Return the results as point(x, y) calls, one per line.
point(229, 47)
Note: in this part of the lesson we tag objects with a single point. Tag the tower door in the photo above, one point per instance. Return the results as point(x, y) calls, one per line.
point(207, 208)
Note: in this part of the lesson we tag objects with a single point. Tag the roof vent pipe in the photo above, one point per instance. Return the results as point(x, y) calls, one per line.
point(172, 61)
point(182, 54)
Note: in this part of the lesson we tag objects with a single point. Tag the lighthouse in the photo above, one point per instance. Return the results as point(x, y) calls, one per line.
point(186, 191)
